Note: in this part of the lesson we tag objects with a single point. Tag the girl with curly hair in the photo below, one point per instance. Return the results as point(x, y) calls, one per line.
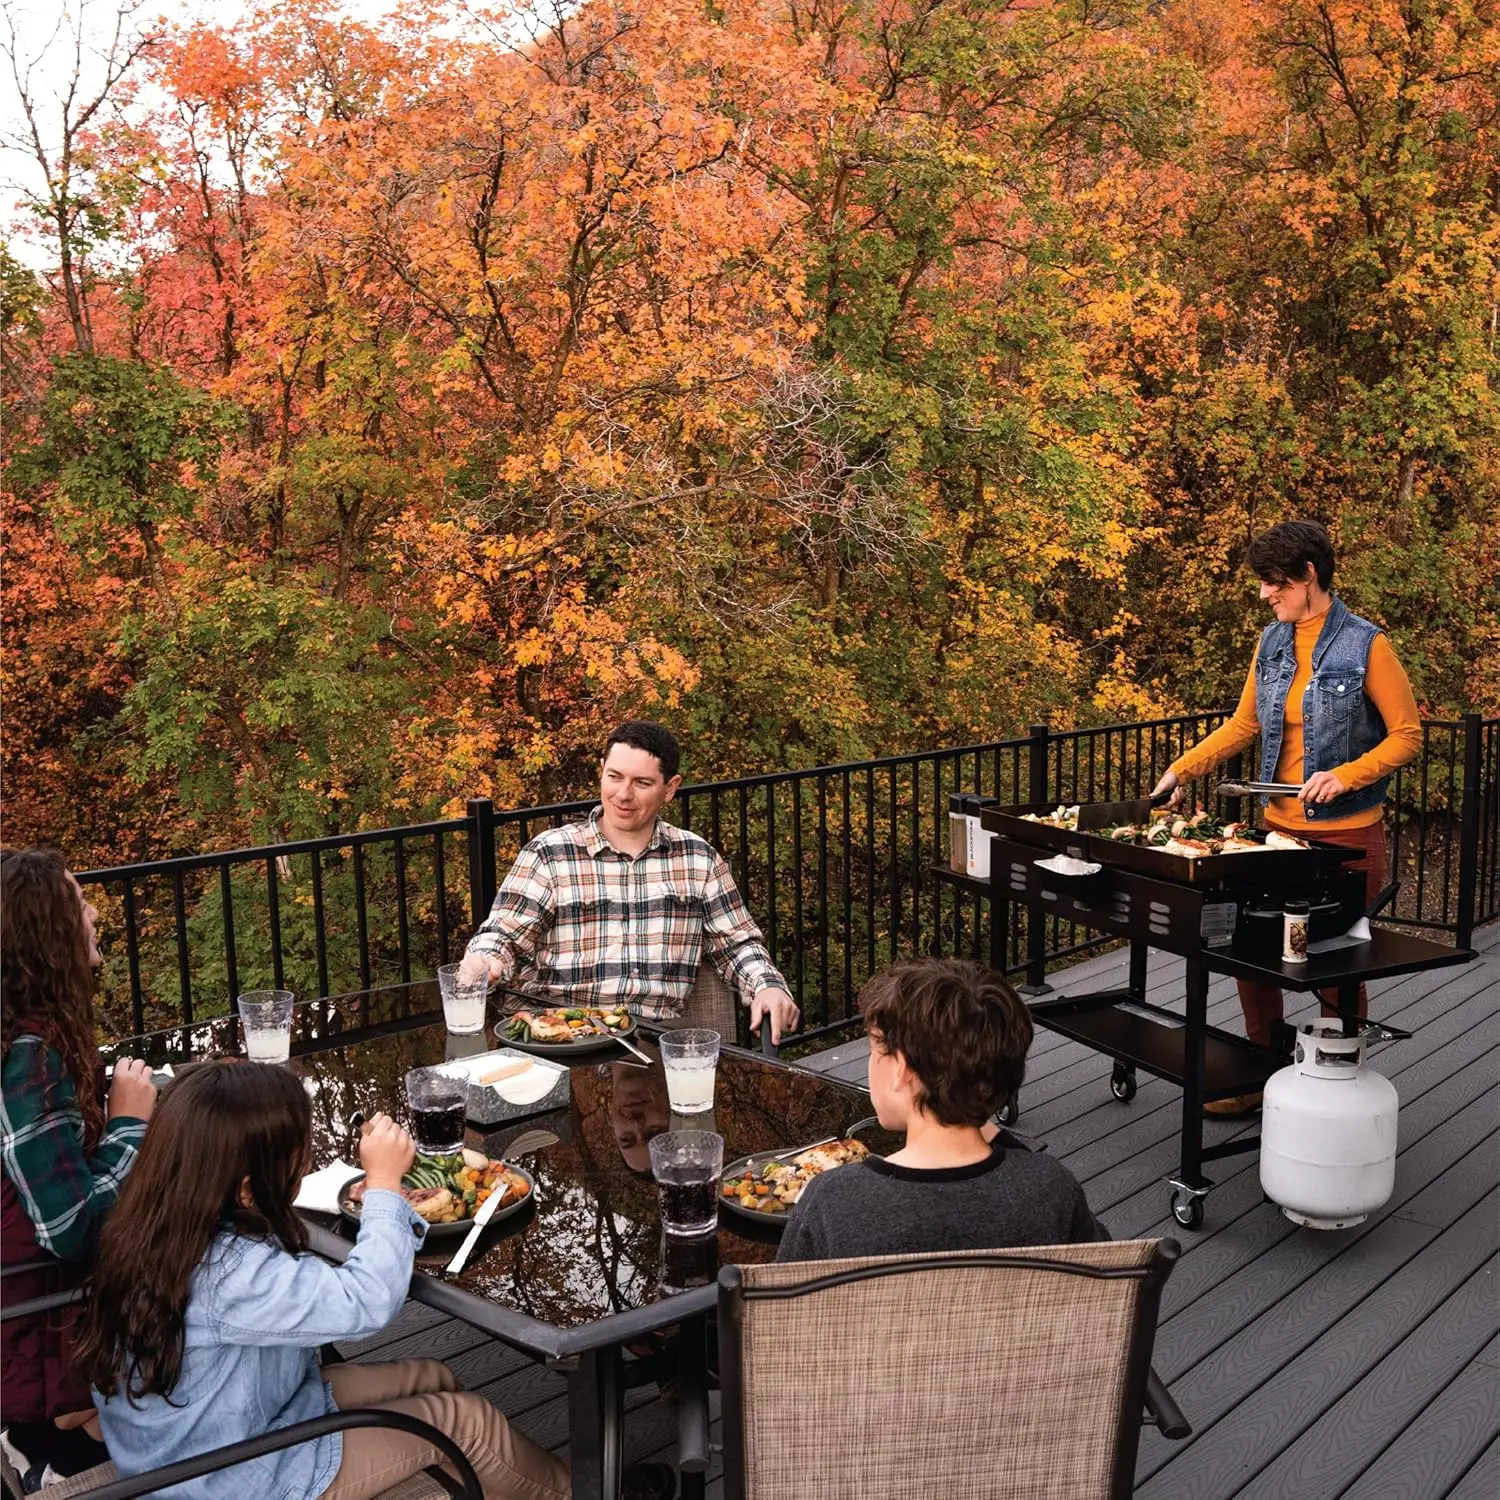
point(64, 1147)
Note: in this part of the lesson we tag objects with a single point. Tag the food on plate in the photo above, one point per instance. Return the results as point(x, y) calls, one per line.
point(774, 1185)
point(564, 1024)
point(450, 1189)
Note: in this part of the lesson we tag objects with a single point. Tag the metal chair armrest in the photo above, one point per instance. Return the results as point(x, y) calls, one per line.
point(1164, 1411)
point(692, 1397)
point(768, 1048)
point(289, 1437)
point(41, 1304)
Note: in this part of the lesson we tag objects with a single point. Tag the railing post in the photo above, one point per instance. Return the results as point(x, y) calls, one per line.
point(1036, 924)
point(481, 841)
point(1468, 835)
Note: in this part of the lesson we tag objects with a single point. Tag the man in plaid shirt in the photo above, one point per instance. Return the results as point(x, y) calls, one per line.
point(622, 907)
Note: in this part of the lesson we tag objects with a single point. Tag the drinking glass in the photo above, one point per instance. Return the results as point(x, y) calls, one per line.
point(690, 1059)
point(266, 1017)
point(463, 1004)
point(437, 1099)
point(687, 1165)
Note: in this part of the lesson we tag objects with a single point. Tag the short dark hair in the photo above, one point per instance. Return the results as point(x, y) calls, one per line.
point(1283, 553)
point(961, 1028)
point(654, 739)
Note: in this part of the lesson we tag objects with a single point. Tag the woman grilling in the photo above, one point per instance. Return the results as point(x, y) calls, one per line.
point(1336, 717)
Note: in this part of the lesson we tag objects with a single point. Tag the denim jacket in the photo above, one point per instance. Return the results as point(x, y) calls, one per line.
point(255, 1318)
point(1339, 723)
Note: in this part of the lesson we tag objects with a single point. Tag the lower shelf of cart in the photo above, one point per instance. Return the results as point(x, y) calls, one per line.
point(1155, 1041)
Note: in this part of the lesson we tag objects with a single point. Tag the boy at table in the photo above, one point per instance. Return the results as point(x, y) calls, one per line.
point(948, 1043)
point(623, 906)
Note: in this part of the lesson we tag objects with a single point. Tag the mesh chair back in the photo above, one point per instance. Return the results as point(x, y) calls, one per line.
point(709, 1005)
point(957, 1376)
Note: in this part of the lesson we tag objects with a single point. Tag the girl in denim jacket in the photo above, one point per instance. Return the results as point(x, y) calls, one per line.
point(206, 1312)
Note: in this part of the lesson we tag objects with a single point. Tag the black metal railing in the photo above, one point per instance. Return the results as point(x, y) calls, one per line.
point(833, 861)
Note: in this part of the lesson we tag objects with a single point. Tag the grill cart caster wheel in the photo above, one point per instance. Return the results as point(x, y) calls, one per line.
point(1122, 1083)
point(1188, 1211)
point(1010, 1113)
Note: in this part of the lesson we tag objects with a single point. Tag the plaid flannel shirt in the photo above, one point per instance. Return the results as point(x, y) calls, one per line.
point(580, 922)
point(64, 1192)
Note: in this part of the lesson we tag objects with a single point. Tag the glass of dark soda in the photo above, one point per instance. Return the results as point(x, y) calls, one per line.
point(437, 1099)
point(687, 1165)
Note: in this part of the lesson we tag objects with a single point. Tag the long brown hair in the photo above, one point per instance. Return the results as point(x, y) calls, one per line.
point(217, 1126)
point(46, 981)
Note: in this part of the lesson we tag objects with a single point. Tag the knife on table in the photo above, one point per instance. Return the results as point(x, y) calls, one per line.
point(483, 1217)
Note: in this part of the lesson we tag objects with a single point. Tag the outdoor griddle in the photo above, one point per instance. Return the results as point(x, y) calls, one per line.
point(1188, 907)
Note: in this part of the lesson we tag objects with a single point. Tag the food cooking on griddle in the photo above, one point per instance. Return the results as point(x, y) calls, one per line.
point(1190, 835)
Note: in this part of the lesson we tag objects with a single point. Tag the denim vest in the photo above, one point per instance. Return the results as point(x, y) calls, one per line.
point(1339, 723)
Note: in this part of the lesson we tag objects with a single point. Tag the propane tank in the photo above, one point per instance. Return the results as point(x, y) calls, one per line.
point(1328, 1132)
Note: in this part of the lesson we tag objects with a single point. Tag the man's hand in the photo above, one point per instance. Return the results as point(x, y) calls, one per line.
point(781, 1008)
point(132, 1093)
point(1322, 786)
point(1169, 783)
point(474, 967)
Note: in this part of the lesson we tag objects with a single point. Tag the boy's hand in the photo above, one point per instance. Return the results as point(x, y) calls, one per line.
point(386, 1152)
point(132, 1093)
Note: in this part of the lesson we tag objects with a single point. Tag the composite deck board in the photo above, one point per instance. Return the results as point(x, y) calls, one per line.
point(1329, 1455)
point(1363, 1363)
point(1482, 1480)
point(1440, 1444)
point(1267, 1421)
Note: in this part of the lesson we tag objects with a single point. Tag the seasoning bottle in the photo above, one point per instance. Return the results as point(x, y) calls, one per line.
point(1294, 933)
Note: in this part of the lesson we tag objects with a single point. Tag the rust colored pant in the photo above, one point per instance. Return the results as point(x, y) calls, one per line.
point(1262, 1002)
point(509, 1466)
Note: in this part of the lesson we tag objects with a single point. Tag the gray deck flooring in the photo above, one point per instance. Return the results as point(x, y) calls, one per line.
point(1361, 1363)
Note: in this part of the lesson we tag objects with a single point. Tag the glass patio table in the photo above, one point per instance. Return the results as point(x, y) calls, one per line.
point(585, 1270)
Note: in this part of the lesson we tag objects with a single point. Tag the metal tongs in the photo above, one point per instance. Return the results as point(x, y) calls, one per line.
point(1258, 789)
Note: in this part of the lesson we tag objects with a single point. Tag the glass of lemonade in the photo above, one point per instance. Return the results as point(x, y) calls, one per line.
point(463, 1004)
point(690, 1059)
point(266, 1018)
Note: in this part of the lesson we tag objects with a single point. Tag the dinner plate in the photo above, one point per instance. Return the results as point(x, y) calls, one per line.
point(586, 1044)
point(458, 1226)
point(741, 1165)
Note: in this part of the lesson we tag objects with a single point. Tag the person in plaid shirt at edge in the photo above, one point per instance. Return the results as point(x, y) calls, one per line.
point(66, 1150)
point(623, 906)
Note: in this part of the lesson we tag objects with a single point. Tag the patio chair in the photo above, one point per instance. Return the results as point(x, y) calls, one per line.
point(712, 1006)
point(961, 1375)
point(104, 1483)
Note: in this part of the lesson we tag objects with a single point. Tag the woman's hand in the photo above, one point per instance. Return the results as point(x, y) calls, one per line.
point(386, 1152)
point(1322, 786)
point(132, 1093)
point(1170, 783)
